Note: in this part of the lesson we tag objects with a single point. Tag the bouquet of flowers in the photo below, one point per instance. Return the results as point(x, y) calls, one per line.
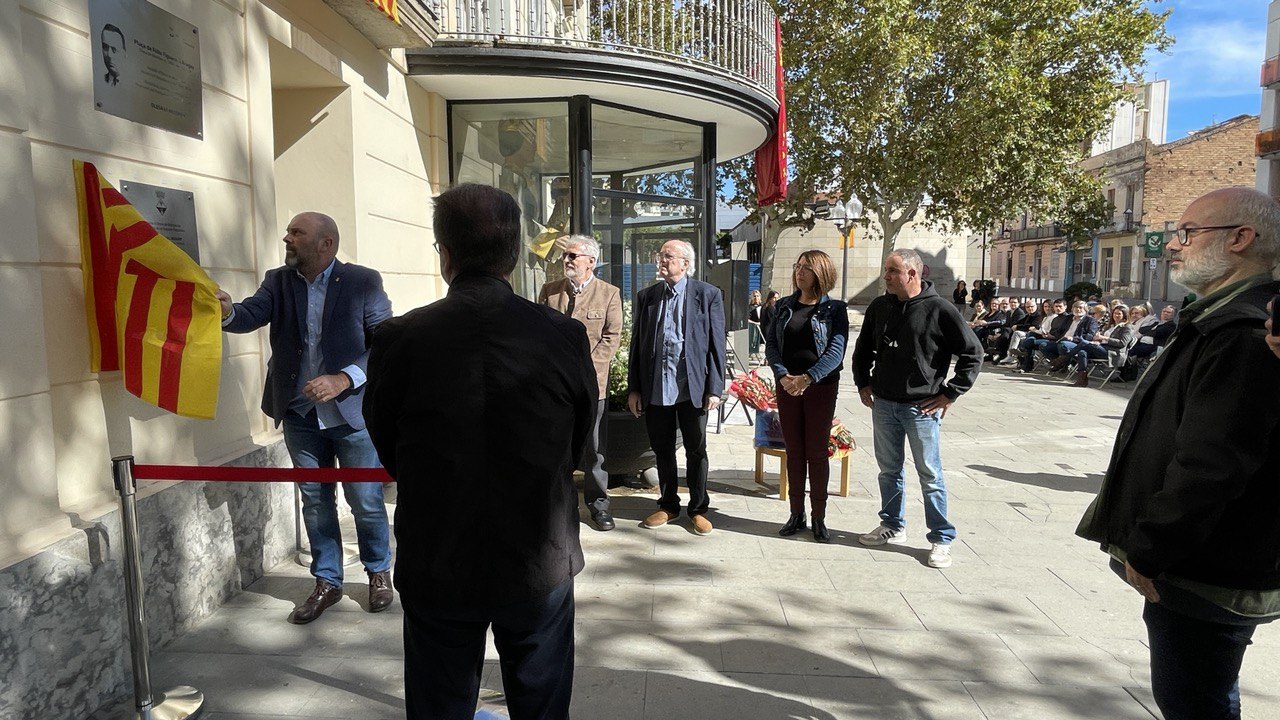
point(754, 391)
point(841, 441)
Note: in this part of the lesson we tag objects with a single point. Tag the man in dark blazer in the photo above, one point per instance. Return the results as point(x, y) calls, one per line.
point(320, 311)
point(675, 377)
point(479, 405)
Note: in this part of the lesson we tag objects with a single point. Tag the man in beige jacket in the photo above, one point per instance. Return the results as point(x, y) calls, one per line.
point(597, 305)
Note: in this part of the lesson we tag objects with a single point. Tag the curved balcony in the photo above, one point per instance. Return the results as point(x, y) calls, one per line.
point(704, 61)
point(733, 38)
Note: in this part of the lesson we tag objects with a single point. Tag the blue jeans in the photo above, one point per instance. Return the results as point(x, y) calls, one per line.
point(1064, 347)
point(1086, 352)
point(894, 423)
point(311, 447)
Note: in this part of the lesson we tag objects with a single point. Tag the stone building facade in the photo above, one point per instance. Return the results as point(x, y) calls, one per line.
point(329, 105)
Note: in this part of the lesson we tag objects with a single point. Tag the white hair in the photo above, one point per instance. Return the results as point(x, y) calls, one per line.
point(689, 253)
point(587, 242)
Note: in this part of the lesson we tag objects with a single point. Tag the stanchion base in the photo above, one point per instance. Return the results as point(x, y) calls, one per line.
point(350, 556)
point(180, 703)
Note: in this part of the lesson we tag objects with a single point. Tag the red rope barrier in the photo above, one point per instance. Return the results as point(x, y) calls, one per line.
point(256, 474)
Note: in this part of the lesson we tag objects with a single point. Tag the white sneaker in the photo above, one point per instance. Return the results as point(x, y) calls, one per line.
point(940, 556)
point(882, 535)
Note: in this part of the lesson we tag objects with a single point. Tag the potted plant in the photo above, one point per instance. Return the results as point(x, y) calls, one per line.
point(627, 453)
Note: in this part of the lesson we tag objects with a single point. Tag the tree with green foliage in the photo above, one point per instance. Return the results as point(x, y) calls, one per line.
point(973, 111)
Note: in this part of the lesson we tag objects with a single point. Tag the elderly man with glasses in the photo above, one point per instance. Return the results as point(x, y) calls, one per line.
point(598, 306)
point(1187, 510)
point(675, 376)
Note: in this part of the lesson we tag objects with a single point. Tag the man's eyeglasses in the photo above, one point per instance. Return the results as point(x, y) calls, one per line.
point(1184, 233)
point(666, 256)
point(574, 256)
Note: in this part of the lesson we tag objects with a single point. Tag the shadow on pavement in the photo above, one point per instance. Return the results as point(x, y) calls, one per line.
point(1088, 483)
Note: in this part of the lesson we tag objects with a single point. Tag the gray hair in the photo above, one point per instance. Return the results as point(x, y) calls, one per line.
point(587, 242)
point(910, 258)
point(689, 253)
point(1262, 213)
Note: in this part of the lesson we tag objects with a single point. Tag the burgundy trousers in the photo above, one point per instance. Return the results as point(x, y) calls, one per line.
point(806, 427)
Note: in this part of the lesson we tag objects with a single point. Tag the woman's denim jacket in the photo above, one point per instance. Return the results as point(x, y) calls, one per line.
point(830, 323)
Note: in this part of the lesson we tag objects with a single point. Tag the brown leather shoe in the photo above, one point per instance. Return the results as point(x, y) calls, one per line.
point(658, 519)
point(1059, 363)
point(380, 594)
point(1082, 379)
point(701, 525)
point(322, 597)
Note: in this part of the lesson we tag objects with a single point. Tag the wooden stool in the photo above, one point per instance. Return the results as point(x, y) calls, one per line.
point(781, 454)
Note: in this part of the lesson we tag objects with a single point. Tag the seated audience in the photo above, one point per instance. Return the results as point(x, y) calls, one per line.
point(1153, 336)
point(1046, 336)
point(1082, 328)
point(1118, 339)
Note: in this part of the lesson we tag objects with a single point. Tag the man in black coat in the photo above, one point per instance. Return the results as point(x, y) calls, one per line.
point(479, 405)
point(675, 377)
point(1188, 507)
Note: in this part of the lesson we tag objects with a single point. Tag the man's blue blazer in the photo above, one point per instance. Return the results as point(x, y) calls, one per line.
point(354, 304)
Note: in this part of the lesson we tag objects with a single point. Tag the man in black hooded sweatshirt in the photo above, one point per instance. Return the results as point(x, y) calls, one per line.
point(900, 363)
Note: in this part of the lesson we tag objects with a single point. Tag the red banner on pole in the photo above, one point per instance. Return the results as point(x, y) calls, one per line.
point(771, 157)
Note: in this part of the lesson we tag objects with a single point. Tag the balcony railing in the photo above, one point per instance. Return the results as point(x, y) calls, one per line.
point(728, 36)
point(1039, 232)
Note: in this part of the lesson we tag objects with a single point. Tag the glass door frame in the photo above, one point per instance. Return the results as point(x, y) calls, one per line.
point(580, 169)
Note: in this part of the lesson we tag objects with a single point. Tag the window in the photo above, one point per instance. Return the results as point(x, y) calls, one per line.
point(1126, 264)
point(522, 148)
point(1108, 262)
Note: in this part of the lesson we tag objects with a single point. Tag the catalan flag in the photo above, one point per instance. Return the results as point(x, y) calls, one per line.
point(390, 7)
point(152, 310)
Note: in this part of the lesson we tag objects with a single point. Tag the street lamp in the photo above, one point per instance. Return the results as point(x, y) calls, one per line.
point(844, 216)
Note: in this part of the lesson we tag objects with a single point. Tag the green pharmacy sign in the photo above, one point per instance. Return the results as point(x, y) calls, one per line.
point(1153, 244)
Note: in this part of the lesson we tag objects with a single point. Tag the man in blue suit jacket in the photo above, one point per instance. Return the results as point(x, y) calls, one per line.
point(320, 311)
point(675, 377)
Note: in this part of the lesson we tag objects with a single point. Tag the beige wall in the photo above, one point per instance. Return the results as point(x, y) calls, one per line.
point(371, 153)
point(947, 255)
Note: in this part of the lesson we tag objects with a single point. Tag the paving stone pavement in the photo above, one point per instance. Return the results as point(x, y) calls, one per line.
point(744, 624)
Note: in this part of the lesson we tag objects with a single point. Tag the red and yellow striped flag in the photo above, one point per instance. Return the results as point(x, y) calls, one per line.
point(390, 7)
point(152, 310)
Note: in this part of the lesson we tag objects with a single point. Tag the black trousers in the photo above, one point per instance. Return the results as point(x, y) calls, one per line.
point(662, 422)
point(595, 481)
point(444, 656)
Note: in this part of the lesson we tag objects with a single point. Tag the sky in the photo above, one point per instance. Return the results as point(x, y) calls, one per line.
point(1213, 65)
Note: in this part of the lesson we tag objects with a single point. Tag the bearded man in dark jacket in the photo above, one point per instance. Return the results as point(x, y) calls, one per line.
point(900, 364)
point(1188, 507)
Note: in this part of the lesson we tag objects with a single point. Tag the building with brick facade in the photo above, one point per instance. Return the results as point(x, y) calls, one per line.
point(1147, 185)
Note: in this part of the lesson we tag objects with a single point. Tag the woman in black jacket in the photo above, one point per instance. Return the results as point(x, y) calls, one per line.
point(805, 347)
point(960, 296)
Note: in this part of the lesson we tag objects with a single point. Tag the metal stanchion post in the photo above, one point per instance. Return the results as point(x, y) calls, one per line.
point(182, 701)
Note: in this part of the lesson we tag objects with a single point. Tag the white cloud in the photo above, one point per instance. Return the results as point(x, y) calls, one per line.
point(1213, 59)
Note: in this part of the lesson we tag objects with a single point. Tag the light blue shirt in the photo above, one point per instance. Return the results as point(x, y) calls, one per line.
point(312, 363)
point(672, 376)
